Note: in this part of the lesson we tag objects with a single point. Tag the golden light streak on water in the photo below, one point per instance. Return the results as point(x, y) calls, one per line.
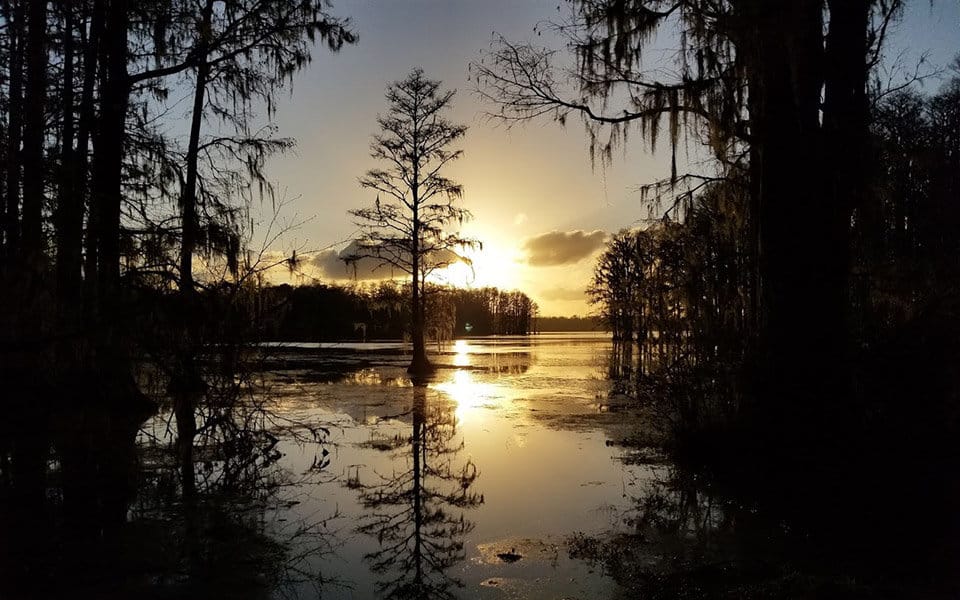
point(472, 397)
point(462, 356)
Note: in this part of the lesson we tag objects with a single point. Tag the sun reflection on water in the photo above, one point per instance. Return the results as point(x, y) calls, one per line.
point(461, 358)
point(470, 395)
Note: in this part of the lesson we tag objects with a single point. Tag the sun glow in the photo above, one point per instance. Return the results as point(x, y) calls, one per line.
point(493, 265)
point(459, 274)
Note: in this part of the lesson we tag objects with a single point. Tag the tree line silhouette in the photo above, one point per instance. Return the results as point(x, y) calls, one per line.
point(381, 311)
point(123, 205)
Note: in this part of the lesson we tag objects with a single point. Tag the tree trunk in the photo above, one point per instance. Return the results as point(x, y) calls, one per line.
point(114, 374)
point(797, 302)
point(846, 145)
point(419, 365)
point(108, 166)
point(34, 133)
point(15, 17)
point(88, 122)
point(69, 213)
point(189, 198)
point(190, 385)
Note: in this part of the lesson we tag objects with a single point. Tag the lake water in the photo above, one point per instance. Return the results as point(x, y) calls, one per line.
point(516, 471)
point(472, 486)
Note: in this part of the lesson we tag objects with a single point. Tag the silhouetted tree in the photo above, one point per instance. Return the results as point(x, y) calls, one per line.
point(14, 16)
point(682, 291)
point(615, 286)
point(905, 244)
point(245, 52)
point(407, 226)
point(35, 97)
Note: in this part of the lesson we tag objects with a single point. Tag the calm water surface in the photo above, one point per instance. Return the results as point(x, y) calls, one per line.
point(471, 486)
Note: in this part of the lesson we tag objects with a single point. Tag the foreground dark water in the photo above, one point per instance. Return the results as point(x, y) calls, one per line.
point(517, 471)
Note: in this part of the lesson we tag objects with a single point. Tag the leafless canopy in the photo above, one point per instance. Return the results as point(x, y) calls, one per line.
point(407, 225)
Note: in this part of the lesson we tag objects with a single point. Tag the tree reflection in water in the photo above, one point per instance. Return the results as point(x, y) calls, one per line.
point(683, 542)
point(416, 513)
point(620, 369)
point(865, 517)
point(697, 534)
point(112, 520)
point(234, 536)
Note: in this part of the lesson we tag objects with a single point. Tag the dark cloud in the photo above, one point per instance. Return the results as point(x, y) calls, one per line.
point(561, 294)
point(331, 264)
point(328, 264)
point(562, 247)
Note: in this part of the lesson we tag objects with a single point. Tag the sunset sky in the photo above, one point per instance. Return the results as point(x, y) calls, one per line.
point(540, 209)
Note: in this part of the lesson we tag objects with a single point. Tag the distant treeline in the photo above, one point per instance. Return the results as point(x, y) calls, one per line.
point(573, 323)
point(381, 311)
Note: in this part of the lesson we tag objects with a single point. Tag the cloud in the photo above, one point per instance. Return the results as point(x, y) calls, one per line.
point(556, 248)
point(331, 264)
point(328, 263)
point(561, 294)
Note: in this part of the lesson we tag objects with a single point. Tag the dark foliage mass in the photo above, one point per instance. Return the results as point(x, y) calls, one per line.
point(789, 315)
point(112, 226)
point(776, 279)
point(681, 288)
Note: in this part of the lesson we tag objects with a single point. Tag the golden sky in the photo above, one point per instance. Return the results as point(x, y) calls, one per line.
point(539, 207)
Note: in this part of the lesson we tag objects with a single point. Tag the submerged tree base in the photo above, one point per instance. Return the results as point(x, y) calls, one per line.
point(421, 369)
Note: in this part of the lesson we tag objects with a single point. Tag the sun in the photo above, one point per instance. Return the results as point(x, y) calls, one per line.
point(459, 274)
point(494, 265)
